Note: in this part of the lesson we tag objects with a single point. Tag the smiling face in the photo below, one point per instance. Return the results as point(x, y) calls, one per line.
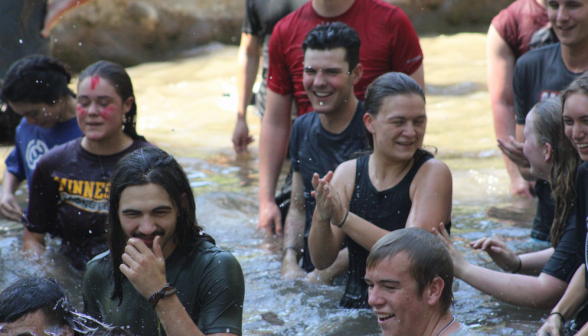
point(146, 211)
point(575, 117)
point(399, 127)
point(40, 114)
point(327, 79)
point(100, 110)
point(393, 295)
point(33, 324)
point(534, 150)
point(569, 19)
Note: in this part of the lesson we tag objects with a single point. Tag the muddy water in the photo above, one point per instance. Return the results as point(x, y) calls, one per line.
point(187, 107)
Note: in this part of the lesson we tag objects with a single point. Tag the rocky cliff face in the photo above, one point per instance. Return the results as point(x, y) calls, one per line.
point(136, 31)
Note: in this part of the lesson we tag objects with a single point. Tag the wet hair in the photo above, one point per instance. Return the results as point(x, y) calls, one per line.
point(118, 77)
point(29, 295)
point(428, 256)
point(579, 85)
point(141, 167)
point(549, 128)
point(390, 85)
point(329, 36)
point(36, 79)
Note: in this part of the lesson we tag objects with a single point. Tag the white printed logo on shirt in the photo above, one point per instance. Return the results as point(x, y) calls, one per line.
point(35, 149)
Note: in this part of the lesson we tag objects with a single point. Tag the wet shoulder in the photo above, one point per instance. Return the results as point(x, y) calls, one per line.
point(285, 24)
point(98, 269)
point(305, 121)
point(60, 153)
point(208, 253)
point(434, 169)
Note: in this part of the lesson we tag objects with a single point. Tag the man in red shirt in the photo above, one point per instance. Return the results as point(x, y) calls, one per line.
point(517, 29)
point(389, 43)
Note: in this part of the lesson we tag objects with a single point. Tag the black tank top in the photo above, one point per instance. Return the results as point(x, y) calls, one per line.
point(387, 209)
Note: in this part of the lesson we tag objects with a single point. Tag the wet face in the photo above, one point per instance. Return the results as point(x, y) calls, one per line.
point(33, 324)
point(534, 150)
point(575, 117)
point(146, 211)
point(569, 19)
point(100, 110)
point(40, 114)
point(327, 79)
point(399, 127)
point(393, 295)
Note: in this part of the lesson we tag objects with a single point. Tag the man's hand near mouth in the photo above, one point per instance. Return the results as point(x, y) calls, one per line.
point(144, 268)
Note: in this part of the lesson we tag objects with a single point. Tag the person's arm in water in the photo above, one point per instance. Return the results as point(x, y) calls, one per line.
point(530, 264)
point(501, 62)
point(294, 230)
point(248, 65)
point(575, 296)
point(273, 144)
point(55, 10)
point(540, 292)
point(431, 194)
point(145, 269)
point(9, 207)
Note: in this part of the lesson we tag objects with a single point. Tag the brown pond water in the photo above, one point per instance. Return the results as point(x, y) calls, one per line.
point(187, 107)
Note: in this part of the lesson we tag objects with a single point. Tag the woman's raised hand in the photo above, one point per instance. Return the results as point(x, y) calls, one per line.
point(503, 256)
point(323, 203)
point(459, 262)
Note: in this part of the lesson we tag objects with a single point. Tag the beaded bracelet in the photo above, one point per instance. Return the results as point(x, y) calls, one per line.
point(166, 291)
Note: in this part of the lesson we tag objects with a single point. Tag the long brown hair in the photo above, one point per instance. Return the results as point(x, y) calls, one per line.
point(549, 129)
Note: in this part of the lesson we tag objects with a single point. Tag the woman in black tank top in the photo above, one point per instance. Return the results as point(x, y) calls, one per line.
point(398, 185)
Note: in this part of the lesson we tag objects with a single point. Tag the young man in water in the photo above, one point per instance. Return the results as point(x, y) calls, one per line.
point(161, 271)
point(389, 43)
point(40, 307)
point(543, 73)
point(410, 277)
point(324, 138)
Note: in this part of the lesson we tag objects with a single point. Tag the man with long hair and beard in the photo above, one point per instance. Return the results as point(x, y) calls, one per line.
point(161, 268)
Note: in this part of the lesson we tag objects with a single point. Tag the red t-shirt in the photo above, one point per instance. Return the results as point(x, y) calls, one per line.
point(518, 22)
point(388, 43)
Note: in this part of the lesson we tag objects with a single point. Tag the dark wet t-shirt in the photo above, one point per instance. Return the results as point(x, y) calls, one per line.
point(564, 261)
point(69, 198)
point(315, 150)
point(21, 22)
point(210, 286)
point(582, 214)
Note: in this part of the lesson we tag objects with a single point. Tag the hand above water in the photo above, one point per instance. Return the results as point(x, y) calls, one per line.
point(9, 207)
point(144, 269)
point(328, 202)
point(503, 256)
point(270, 218)
point(514, 150)
point(459, 262)
point(241, 137)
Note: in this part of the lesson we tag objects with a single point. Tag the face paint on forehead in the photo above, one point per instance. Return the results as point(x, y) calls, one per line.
point(95, 81)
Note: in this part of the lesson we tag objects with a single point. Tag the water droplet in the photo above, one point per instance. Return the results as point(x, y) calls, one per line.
point(20, 41)
point(90, 231)
point(321, 103)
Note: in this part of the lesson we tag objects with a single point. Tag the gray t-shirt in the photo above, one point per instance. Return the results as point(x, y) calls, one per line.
point(463, 331)
point(21, 22)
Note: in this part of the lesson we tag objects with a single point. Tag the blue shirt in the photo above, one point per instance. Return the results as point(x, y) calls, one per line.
point(32, 141)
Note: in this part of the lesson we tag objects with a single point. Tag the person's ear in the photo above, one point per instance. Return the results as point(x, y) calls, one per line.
point(368, 120)
point(434, 291)
point(357, 73)
point(548, 152)
point(128, 104)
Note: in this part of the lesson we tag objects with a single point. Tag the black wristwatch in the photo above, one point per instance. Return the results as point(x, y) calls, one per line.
point(167, 290)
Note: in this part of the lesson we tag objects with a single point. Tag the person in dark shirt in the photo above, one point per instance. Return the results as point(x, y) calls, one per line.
point(520, 27)
point(161, 270)
point(324, 138)
point(575, 114)
point(69, 189)
point(260, 18)
point(543, 73)
point(553, 157)
point(398, 185)
point(35, 87)
point(38, 306)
